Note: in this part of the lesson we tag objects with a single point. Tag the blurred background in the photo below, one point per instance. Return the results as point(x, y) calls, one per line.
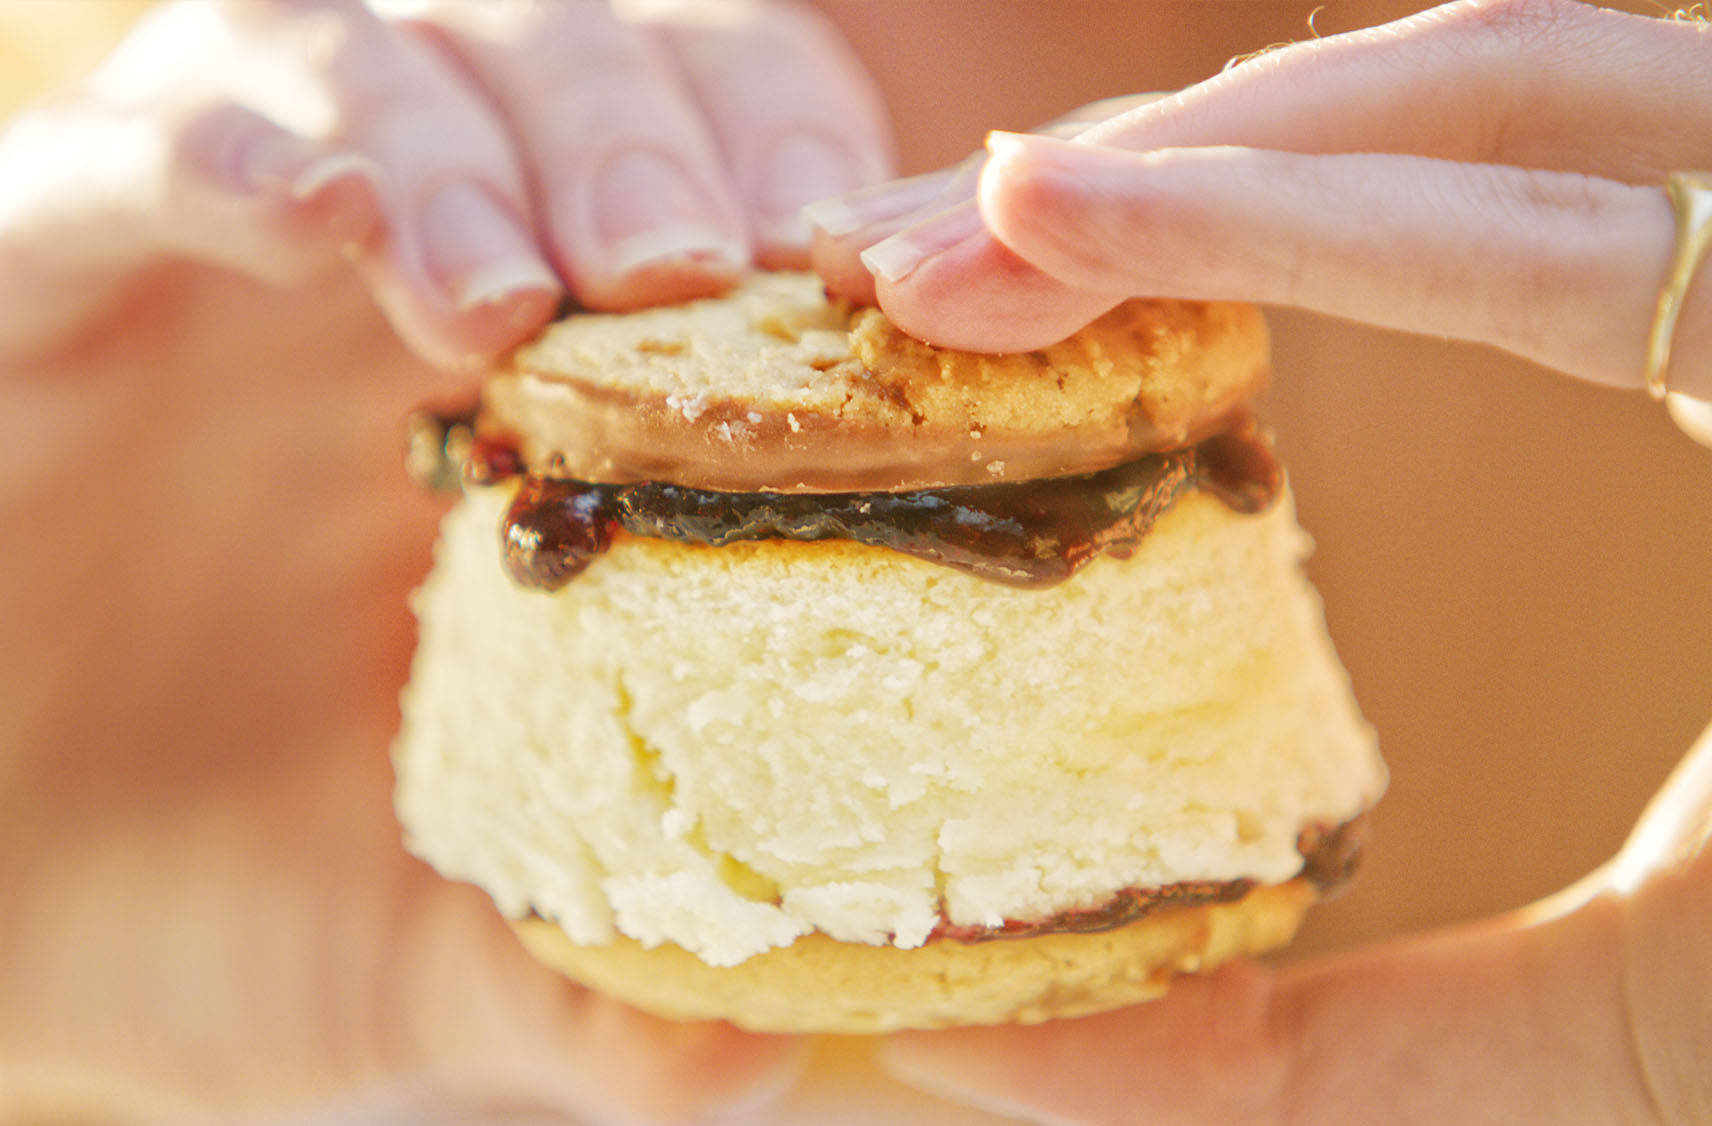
point(1517, 568)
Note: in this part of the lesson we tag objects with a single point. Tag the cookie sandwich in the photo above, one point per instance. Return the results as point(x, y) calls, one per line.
point(779, 668)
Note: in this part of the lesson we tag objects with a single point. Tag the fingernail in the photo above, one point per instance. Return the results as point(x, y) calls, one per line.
point(281, 162)
point(848, 213)
point(684, 243)
point(477, 250)
point(895, 258)
point(799, 169)
point(1069, 155)
point(645, 213)
point(1003, 146)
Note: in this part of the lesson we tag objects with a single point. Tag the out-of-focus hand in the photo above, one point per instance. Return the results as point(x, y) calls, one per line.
point(1490, 171)
point(477, 161)
point(206, 912)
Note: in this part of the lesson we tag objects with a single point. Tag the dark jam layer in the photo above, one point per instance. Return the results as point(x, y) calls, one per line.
point(1330, 854)
point(1027, 533)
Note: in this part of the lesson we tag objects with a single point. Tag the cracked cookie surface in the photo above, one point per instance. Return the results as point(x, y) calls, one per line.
point(774, 388)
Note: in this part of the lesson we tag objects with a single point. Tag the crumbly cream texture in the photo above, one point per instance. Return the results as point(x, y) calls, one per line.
point(773, 387)
point(726, 749)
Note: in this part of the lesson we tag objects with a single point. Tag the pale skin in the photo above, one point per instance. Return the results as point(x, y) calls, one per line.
point(206, 909)
point(1524, 210)
point(207, 880)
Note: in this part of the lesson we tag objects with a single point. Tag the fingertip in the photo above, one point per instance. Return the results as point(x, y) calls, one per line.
point(843, 227)
point(246, 193)
point(796, 171)
point(841, 269)
point(342, 208)
point(459, 274)
point(665, 279)
point(509, 318)
point(456, 340)
point(651, 229)
point(1004, 147)
point(1031, 195)
point(980, 297)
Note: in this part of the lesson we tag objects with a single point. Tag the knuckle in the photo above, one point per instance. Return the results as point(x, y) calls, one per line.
point(212, 137)
point(774, 24)
point(545, 44)
point(566, 72)
point(1524, 20)
point(1544, 218)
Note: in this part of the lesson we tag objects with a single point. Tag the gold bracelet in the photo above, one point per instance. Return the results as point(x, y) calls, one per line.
point(1691, 201)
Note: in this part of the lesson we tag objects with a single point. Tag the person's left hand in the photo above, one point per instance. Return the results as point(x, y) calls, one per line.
point(1591, 1007)
point(1490, 171)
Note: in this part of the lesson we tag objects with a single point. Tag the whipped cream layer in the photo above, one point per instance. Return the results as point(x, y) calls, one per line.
point(728, 748)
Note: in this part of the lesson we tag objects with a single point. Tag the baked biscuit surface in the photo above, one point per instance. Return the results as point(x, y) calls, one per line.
point(775, 388)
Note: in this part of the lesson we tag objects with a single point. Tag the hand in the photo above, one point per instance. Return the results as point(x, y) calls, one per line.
point(1445, 174)
point(476, 161)
point(205, 909)
point(1591, 1007)
point(1451, 174)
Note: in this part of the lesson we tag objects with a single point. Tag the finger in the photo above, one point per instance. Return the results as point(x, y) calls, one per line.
point(1499, 78)
point(1546, 84)
point(1560, 268)
point(796, 117)
point(1489, 1024)
point(845, 226)
point(1677, 824)
point(632, 197)
point(480, 1016)
point(94, 192)
point(248, 195)
point(1665, 870)
point(945, 280)
point(1668, 961)
point(453, 261)
point(456, 267)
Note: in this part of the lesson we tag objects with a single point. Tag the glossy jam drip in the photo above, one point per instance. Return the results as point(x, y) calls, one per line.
point(1032, 533)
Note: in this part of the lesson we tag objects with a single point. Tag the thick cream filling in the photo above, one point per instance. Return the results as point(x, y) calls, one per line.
point(728, 748)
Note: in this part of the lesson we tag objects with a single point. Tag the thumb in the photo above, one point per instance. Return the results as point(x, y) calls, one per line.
point(1593, 1006)
point(482, 1022)
point(1493, 1025)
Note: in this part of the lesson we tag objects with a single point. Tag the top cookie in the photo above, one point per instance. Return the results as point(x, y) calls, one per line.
point(773, 387)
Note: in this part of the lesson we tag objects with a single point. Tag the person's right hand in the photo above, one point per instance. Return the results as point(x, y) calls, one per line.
point(206, 909)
